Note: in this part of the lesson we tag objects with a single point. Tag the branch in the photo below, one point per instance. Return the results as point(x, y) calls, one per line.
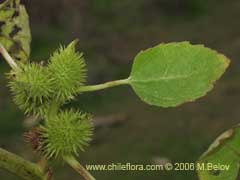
point(19, 166)
point(8, 58)
point(78, 167)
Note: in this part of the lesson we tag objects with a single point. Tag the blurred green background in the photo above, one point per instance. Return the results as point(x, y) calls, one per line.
point(111, 33)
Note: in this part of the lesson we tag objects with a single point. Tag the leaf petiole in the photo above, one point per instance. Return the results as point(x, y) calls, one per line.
point(104, 85)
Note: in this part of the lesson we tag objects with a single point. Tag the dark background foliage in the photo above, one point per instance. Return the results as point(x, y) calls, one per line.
point(110, 34)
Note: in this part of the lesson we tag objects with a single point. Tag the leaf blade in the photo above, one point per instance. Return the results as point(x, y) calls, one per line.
point(15, 33)
point(224, 151)
point(165, 75)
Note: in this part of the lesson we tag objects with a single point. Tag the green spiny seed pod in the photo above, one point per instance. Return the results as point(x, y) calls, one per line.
point(65, 134)
point(32, 88)
point(68, 69)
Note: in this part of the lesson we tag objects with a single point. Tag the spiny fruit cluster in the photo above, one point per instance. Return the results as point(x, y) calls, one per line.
point(35, 87)
point(40, 91)
point(66, 133)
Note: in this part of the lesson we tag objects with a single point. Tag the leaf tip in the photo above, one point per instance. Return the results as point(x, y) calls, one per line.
point(226, 60)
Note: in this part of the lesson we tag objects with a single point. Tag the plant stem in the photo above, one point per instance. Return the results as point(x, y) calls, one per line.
point(42, 163)
point(78, 167)
point(8, 58)
point(103, 86)
point(19, 166)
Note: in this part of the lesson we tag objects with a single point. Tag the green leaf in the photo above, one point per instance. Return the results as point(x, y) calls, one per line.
point(224, 151)
point(15, 33)
point(170, 74)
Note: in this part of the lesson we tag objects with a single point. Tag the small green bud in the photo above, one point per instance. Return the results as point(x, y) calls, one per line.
point(65, 134)
point(32, 88)
point(68, 69)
